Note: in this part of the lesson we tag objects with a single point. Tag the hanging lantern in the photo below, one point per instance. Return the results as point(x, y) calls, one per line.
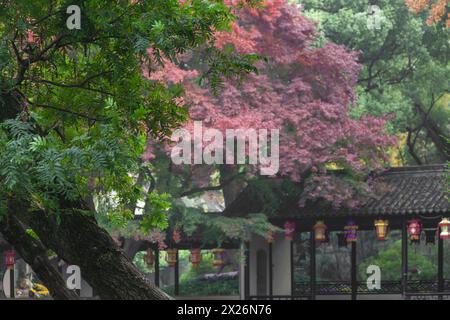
point(414, 230)
point(219, 256)
point(381, 228)
point(319, 231)
point(149, 257)
point(171, 257)
point(351, 231)
point(444, 225)
point(10, 259)
point(289, 230)
point(269, 237)
point(196, 257)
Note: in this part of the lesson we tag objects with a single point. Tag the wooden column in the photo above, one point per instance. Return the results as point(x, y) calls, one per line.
point(11, 283)
point(404, 256)
point(247, 271)
point(354, 280)
point(11, 279)
point(292, 268)
point(312, 266)
point(270, 270)
point(177, 276)
point(157, 267)
point(440, 266)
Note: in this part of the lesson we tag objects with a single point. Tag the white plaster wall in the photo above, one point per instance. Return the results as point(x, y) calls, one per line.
point(281, 264)
point(281, 258)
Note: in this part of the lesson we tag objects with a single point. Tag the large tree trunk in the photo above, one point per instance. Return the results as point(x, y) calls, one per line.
point(35, 254)
point(435, 134)
point(131, 247)
point(78, 240)
point(232, 183)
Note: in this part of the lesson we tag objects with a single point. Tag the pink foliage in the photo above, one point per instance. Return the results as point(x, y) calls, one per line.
point(159, 237)
point(303, 91)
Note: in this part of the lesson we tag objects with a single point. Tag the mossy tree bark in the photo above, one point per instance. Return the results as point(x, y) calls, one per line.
point(35, 254)
point(78, 240)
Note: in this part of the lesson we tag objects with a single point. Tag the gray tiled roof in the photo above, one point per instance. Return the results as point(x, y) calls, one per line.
point(398, 191)
point(411, 190)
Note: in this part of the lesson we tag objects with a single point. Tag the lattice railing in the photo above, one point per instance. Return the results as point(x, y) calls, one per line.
point(387, 287)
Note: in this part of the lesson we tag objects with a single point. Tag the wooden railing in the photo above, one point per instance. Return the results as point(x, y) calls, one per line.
point(387, 287)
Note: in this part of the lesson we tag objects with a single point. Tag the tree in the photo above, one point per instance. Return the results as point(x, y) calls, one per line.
point(75, 114)
point(405, 67)
point(390, 259)
point(438, 10)
point(304, 90)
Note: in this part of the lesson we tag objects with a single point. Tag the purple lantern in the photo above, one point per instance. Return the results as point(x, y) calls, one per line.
point(351, 231)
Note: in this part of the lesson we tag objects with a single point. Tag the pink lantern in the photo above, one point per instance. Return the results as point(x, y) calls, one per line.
point(289, 230)
point(414, 230)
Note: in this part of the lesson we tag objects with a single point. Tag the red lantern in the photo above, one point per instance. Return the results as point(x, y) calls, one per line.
point(149, 257)
point(289, 230)
point(444, 225)
point(196, 257)
point(381, 228)
point(320, 231)
point(10, 259)
point(171, 257)
point(219, 255)
point(414, 230)
point(351, 231)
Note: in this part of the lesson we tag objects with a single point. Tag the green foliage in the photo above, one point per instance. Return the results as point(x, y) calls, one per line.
point(390, 263)
point(206, 266)
point(76, 110)
point(156, 215)
point(207, 287)
point(227, 63)
point(217, 229)
point(405, 64)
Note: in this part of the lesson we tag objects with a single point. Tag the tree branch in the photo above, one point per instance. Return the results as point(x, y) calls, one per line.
point(34, 253)
point(81, 115)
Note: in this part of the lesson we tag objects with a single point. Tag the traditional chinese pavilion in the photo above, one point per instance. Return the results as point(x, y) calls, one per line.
point(411, 205)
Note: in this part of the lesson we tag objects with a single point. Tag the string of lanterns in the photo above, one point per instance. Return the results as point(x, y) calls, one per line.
point(414, 230)
point(349, 235)
point(195, 257)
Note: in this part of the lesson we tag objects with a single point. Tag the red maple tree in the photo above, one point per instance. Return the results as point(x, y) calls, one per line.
point(303, 90)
